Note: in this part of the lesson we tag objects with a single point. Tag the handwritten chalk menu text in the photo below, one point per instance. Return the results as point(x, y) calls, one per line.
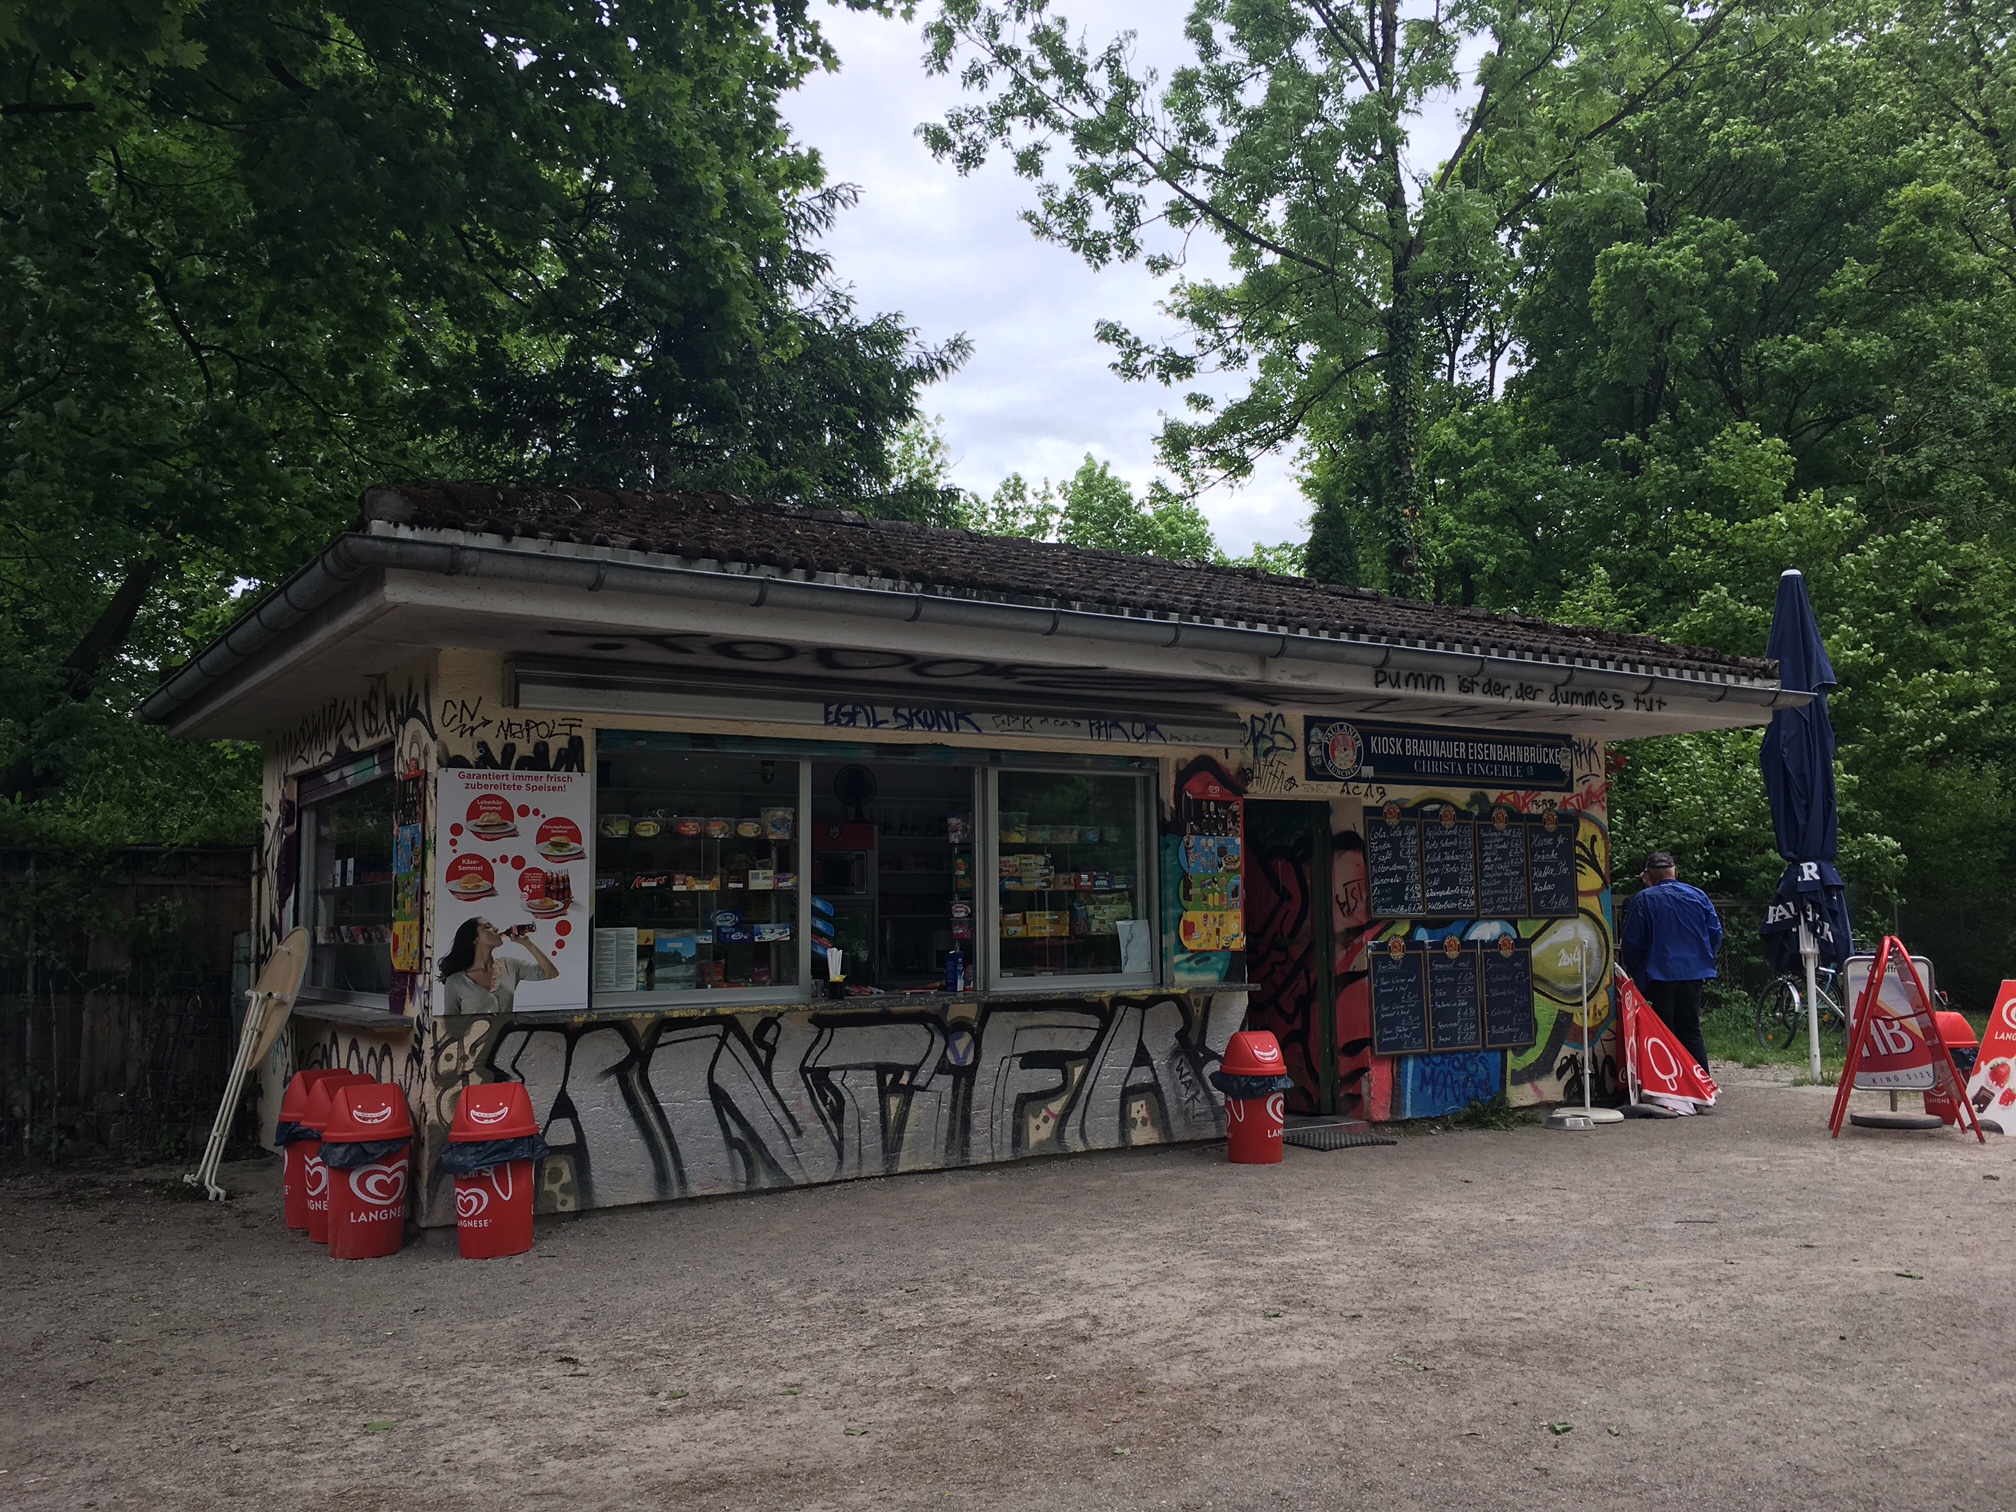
point(1393, 857)
point(1508, 995)
point(1353, 750)
point(1501, 866)
point(1448, 863)
point(1455, 1012)
point(1551, 846)
point(1399, 999)
point(1434, 861)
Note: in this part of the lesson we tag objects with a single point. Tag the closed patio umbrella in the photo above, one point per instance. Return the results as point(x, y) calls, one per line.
point(1807, 921)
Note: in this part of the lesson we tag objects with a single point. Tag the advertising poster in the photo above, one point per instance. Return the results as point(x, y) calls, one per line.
point(1992, 1088)
point(513, 891)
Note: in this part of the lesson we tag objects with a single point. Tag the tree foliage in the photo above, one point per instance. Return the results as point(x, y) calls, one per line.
point(1704, 291)
point(258, 255)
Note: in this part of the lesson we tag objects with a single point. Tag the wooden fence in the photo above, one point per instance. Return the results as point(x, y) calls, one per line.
point(122, 974)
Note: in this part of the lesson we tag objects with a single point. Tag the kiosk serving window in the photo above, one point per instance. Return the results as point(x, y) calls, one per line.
point(1072, 887)
point(697, 873)
point(347, 821)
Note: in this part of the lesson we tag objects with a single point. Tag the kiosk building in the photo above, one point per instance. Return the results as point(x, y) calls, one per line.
point(771, 846)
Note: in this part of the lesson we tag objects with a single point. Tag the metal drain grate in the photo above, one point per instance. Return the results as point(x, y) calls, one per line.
point(1335, 1136)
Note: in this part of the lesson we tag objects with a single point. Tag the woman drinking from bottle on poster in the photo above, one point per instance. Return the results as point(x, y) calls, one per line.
point(478, 980)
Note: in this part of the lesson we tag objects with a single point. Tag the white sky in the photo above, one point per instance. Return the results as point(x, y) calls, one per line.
point(950, 254)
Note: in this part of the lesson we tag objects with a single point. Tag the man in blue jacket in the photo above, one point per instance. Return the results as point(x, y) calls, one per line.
point(1671, 935)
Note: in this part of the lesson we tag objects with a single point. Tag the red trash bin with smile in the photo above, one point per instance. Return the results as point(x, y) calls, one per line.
point(314, 1175)
point(298, 1143)
point(366, 1148)
point(1254, 1079)
point(493, 1143)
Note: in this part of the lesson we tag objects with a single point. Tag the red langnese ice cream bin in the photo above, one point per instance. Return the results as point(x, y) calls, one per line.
point(314, 1175)
point(367, 1148)
point(493, 1146)
point(1254, 1079)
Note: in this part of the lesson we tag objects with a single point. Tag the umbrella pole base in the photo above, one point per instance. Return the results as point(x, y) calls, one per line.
point(1582, 1118)
point(1917, 1122)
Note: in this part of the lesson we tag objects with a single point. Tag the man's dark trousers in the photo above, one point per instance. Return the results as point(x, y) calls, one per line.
point(1678, 1005)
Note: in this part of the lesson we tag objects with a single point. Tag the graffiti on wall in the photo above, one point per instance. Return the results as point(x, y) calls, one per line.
point(647, 1108)
point(1281, 959)
point(1552, 1069)
point(382, 710)
point(1284, 907)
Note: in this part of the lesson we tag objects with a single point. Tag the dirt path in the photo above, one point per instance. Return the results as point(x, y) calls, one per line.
point(1731, 1312)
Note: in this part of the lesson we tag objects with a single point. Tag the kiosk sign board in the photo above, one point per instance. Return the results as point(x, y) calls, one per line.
point(1356, 750)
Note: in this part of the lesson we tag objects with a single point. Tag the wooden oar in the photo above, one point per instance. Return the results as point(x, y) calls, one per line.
point(269, 1003)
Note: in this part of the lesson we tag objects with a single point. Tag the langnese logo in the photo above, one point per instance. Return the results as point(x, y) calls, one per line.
point(380, 1185)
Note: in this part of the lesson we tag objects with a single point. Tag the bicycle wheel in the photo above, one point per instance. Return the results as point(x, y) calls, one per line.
point(1779, 1016)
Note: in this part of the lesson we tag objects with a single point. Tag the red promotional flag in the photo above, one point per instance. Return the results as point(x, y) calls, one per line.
point(1656, 1065)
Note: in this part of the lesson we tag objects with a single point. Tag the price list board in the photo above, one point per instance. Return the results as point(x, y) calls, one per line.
point(1448, 863)
point(1508, 995)
point(1433, 861)
point(1399, 999)
point(1551, 849)
point(1455, 1010)
point(1393, 859)
point(1501, 866)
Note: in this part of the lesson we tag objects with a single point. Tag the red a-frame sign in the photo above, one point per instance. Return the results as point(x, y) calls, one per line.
point(1896, 1041)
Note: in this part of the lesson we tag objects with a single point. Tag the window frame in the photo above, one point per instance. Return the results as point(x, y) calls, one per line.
point(988, 913)
point(314, 791)
point(656, 998)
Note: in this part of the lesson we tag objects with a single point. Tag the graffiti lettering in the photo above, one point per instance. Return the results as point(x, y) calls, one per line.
point(537, 729)
point(464, 719)
point(571, 756)
point(1494, 687)
point(1131, 731)
point(1411, 682)
point(352, 723)
point(642, 1110)
point(918, 718)
point(1270, 735)
point(1586, 698)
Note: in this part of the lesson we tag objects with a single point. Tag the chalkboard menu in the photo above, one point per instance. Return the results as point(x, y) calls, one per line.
point(1552, 852)
point(1508, 996)
point(1455, 1013)
point(1399, 999)
point(1501, 866)
point(1448, 865)
point(1393, 857)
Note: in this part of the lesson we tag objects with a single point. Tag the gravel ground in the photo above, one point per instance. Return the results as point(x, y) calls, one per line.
point(1720, 1312)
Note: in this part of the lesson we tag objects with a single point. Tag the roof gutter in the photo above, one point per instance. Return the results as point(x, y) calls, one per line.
point(353, 557)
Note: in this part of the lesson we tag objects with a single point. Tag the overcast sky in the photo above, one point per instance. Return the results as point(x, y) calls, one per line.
point(950, 254)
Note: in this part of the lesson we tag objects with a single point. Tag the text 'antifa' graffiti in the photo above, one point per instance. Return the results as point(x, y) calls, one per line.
point(646, 1109)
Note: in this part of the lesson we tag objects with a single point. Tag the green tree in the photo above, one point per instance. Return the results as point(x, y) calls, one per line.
point(1365, 295)
point(1780, 330)
point(259, 255)
point(1096, 508)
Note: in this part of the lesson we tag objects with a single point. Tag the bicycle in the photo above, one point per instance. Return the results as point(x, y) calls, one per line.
point(1781, 1009)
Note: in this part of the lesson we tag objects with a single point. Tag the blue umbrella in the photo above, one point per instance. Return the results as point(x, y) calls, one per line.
point(1808, 919)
